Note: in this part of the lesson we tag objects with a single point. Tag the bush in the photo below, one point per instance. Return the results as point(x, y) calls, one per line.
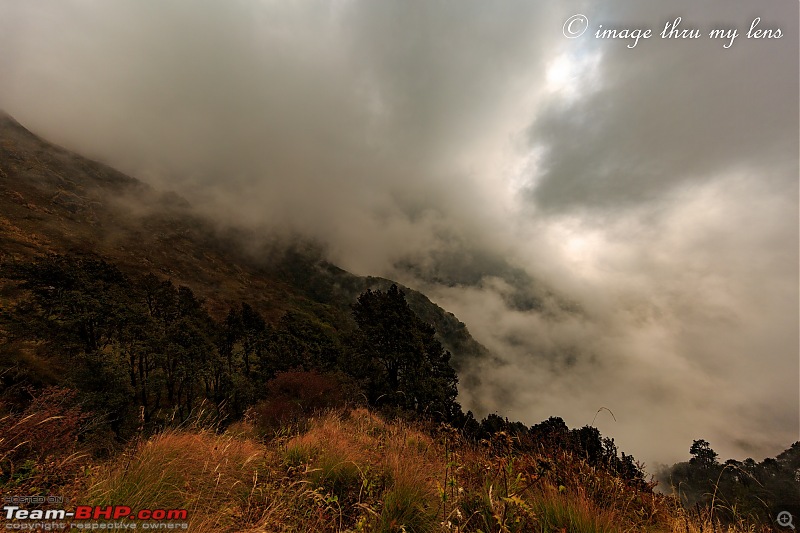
point(297, 395)
point(39, 447)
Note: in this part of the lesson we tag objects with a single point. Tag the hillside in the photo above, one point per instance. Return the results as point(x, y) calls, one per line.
point(55, 201)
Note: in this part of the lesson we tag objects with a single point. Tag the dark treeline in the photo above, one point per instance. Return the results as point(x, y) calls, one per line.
point(554, 436)
point(737, 489)
point(144, 353)
point(143, 350)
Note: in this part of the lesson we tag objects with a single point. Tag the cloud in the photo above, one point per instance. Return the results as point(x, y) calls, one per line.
point(682, 331)
point(619, 225)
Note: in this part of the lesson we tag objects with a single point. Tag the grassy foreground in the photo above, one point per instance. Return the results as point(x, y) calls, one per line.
point(354, 471)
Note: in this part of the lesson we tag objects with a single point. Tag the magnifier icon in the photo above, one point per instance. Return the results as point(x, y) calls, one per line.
point(785, 519)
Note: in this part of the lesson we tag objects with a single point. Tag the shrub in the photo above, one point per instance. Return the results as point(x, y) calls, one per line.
point(294, 396)
point(39, 447)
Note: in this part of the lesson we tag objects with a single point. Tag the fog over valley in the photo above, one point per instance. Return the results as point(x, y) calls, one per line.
point(618, 226)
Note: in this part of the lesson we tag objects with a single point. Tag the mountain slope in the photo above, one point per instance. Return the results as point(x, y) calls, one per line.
point(55, 201)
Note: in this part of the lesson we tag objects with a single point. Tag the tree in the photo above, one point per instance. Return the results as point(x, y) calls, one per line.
point(702, 454)
point(252, 335)
point(77, 304)
point(399, 359)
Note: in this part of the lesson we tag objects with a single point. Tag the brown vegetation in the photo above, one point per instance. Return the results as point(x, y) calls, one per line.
point(351, 470)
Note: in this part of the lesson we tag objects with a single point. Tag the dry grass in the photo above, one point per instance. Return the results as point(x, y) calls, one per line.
point(683, 521)
point(214, 477)
point(363, 474)
point(355, 472)
point(39, 447)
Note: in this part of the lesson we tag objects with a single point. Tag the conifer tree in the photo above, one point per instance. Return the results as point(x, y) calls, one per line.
point(399, 359)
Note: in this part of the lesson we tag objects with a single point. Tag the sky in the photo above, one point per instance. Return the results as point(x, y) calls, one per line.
point(616, 219)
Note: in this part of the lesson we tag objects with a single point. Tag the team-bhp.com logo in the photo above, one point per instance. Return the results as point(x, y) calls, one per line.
point(55, 518)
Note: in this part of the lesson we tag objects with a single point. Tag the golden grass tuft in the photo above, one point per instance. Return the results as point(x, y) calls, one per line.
point(366, 474)
point(213, 477)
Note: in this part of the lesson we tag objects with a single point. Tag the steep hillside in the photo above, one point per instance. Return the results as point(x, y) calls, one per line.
point(55, 201)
